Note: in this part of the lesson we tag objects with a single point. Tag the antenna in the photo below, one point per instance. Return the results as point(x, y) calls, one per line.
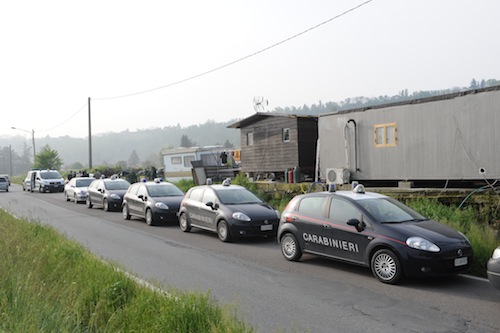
point(259, 104)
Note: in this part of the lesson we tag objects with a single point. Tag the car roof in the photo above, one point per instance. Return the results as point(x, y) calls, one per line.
point(220, 187)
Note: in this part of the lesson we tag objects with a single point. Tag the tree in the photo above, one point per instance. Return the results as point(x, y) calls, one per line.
point(134, 159)
point(48, 158)
point(186, 142)
point(228, 144)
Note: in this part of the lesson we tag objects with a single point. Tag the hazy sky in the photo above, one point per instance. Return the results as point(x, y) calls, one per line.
point(56, 54)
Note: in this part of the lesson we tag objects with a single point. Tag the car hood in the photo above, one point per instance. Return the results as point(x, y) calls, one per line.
point(254, 210)
point(171, 201)
point(428, 229)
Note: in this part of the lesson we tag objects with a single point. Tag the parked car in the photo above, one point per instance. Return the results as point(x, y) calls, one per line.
point(107, 193)
point(4, 184)
point(372, 230)
point(493, 268)
point(76, 189)
point(229, 210)
point(155, 201)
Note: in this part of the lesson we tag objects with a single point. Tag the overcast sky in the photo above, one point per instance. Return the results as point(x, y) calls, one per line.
point(188, 62)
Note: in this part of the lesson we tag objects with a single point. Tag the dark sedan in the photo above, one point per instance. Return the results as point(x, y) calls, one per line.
point(154, 201)
point(107, 193)
point(229, 210)
point(372, 230)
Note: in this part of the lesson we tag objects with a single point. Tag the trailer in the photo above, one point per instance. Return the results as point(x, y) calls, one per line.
point(441, 139)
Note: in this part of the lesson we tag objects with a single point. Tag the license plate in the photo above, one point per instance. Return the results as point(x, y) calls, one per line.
point(461, 261)
point(266, 227)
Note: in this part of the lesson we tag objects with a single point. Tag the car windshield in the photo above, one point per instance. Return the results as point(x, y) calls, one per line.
point(235, 196)
point(390, 211)
point(3, 180)
point(163, 190)
point(117, 185)
point(50, 175)
point(84, 182)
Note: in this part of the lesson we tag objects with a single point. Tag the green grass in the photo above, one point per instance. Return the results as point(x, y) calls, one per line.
point(51, 284)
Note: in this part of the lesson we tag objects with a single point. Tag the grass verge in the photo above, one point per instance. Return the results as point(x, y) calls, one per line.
point(51, 284)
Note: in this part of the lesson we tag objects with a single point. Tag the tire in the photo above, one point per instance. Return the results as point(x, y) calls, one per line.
point(89, 203)
point(105, 205)
point(125, 213)
point(290, 247)
point(149, 217)
point(184, 223)
point(386, 266)
point(223, 231)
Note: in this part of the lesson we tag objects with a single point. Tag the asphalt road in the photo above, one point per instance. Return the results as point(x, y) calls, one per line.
point(271, 294)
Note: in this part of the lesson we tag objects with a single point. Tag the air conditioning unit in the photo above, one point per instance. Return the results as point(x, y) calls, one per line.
point(337, 176)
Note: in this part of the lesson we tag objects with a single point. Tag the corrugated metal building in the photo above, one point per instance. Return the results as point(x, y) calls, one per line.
point(449, 137)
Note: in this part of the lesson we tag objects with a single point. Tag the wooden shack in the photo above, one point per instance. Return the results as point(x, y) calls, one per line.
point(272, 143)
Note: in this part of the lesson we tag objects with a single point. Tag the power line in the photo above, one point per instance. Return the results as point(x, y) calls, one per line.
point(64, 122)
point(240, 59)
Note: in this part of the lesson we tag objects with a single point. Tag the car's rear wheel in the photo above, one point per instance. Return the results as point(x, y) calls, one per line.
point(184, 223)
point(223, 231)
point(125, 213)
point(88, 202)
point(105, 205)
point(149, 217)
point(386, 266)
point(290, 247)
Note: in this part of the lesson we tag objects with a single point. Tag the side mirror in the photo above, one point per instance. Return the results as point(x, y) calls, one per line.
point(359, 225)
point(212, 205)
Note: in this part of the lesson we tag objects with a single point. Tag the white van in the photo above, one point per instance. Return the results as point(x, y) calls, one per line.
point(46, 180)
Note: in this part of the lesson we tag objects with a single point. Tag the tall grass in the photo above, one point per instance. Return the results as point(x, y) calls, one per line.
point(51, 284)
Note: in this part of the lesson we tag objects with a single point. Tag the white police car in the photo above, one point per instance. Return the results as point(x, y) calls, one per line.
point(372, 230)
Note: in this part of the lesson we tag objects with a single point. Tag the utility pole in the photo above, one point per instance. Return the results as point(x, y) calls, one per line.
point(90, 139)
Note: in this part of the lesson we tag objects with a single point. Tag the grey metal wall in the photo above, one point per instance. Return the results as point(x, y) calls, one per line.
point(453, 137)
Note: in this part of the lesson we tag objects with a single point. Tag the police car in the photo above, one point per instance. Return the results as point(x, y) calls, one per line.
point(372, 230)
point(229, 210)
point(155, 201)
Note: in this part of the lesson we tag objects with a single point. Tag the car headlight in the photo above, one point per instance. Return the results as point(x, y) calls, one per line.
point(277, 214)
point(115, 196)
point(241, 216)
point(465, 237)
point(161, 205)
point(496, 254)
point(420, 243)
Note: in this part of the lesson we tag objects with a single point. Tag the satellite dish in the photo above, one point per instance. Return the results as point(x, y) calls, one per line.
point(259, 104)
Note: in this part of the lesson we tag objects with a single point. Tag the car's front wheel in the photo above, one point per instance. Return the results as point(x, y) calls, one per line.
point(105, 205)
point(149, 217)
point(386, 266)
point(184, 223)
point(125, 213)
point(223, 231)
point(290, 247)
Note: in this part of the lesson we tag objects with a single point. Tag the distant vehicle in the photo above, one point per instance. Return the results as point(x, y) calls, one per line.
point(493, 268)
point(229, 210)
point(372, 230)
point(107, 193)
point(6, 177)
point(44, 181)
point(154, 201)
point(76, 188)
point(4, 184)
point(27, 181)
